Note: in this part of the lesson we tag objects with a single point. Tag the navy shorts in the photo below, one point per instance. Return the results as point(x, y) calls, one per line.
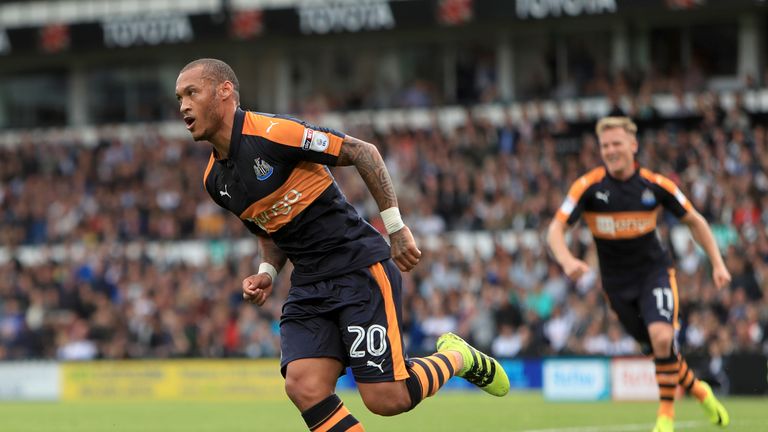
point(644, 301)
point(354, 318)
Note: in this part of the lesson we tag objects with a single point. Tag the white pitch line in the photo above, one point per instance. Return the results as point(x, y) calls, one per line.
point(618, 428)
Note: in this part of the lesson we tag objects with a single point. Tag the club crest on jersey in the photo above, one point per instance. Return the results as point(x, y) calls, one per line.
point(314, 140)
point(648, 198)
point(262, 169)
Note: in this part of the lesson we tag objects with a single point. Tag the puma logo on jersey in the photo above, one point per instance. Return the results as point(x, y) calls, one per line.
point(271, 123)
point(603, 196)
point(224, 192)
point(372, 364)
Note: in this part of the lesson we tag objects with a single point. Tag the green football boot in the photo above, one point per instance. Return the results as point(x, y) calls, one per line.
point(664, 424)
point(713, 408)
point(479, 369)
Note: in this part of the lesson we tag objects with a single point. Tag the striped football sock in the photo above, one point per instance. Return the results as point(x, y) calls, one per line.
point(428, 374)
point(689, 382)
point(330, 415)
point(667, 371)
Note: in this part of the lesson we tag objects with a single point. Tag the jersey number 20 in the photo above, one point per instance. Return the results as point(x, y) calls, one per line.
point(376, 340)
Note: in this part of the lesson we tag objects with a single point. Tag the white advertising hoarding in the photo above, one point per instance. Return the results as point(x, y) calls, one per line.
point(25, 380)
point(576, 379)
point(634, 379)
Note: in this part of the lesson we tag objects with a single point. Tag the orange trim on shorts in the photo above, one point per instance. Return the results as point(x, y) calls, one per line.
point(208, 170)
point(393, 327)
point(673, 285)
point(334, 420)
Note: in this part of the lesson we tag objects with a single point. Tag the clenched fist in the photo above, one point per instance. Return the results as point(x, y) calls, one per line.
point(256, 288)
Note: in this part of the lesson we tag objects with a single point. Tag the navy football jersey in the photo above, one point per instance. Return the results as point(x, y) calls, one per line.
point(622, 217)
point(275, 179)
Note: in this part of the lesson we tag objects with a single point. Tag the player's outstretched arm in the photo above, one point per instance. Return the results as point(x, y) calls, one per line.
point(257, 287)
point(369, 163)
point(702, 233)
point(572, 266)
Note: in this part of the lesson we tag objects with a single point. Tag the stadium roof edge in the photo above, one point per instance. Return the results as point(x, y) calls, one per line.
point(42, 13)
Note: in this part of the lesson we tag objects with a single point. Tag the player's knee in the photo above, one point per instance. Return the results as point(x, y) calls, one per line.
point(292, 388)
point(309, 381)
point(661, 339)
point(304, 393)
point(664, 341)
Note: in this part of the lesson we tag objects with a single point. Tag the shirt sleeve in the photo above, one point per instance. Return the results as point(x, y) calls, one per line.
point(295, 140)
point(670, 196)
point(571, 209)
point(573, 205)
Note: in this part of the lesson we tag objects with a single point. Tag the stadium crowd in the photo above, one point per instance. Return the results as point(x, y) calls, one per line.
point(478, 177)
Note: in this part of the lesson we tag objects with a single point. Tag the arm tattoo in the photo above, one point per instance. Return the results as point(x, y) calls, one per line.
point(271, 253)
point(366, 158)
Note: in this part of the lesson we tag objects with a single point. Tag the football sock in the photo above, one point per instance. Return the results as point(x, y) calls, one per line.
point(667, 371)
point(330, 415)
point(689, 382)
point(428, 374)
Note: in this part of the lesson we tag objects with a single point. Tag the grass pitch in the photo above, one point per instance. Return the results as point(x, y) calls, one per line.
point(449, 411)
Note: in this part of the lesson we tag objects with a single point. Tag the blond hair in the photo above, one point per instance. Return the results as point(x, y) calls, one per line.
point(625, 123)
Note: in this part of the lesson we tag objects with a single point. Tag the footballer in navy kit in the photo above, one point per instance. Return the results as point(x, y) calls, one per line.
point(343, 307)
point(620, 203)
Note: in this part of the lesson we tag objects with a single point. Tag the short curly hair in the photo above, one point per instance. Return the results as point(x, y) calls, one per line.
point(217, 71)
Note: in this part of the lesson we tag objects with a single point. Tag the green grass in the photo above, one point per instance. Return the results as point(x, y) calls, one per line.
point(450, 411)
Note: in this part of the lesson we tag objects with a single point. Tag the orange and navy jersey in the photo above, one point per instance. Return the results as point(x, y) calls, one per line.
point(276, 180)
point(622, 217)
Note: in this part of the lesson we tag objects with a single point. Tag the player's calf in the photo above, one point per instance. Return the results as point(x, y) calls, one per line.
point(310, 384)
point(385, 398)
point(426, 375)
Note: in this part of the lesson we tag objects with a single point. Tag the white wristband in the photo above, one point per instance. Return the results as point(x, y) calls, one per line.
point(392, 220)
point(268, 268)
